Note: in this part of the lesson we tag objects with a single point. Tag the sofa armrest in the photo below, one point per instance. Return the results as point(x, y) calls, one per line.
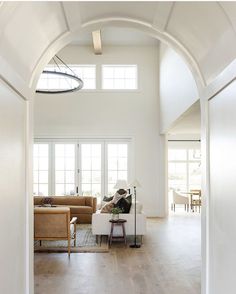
point(92, 202)
point(88, 201)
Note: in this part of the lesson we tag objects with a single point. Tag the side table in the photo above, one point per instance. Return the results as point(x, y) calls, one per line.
point(119, 222)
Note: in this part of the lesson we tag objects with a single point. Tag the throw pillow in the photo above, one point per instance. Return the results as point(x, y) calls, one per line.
point(129, 198)
point(107, 207)
point(118, 196)
point(125, 204)
point(107, 199)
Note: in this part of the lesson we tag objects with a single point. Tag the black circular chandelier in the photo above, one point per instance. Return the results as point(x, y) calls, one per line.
point(71, 80)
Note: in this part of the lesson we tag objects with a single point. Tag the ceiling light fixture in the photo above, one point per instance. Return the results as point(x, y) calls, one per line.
point(61, 80)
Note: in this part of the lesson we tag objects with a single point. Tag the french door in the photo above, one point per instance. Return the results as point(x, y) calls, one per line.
point(80, 167)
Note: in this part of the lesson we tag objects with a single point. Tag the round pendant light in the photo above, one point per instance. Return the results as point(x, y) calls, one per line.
point(70, 80)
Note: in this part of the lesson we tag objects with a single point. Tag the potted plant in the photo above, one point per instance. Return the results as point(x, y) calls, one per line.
point(115, 213)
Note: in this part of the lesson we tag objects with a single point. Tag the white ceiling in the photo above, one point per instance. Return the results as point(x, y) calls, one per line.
point(203, 32)
point(189, 122)
point(117, 36)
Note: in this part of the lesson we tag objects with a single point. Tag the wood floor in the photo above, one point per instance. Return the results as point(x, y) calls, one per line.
point(168, 263)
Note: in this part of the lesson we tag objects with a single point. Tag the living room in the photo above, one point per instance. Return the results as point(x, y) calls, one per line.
point(87, 141)
point(195, 56)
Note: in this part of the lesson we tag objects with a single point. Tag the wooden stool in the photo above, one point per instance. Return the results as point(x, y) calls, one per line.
point(119, 222)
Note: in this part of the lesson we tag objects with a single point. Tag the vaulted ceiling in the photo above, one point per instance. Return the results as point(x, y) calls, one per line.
point(204, 33)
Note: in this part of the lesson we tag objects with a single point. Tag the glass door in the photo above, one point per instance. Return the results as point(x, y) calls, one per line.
point(65, 169)
point(90, 172)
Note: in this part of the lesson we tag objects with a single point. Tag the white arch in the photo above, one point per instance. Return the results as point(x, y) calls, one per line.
point(145, 27)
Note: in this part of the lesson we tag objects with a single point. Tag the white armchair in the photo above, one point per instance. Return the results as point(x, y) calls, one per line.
point(180, 199)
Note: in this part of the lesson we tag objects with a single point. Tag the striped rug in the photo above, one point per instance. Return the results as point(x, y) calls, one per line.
point(85, 242)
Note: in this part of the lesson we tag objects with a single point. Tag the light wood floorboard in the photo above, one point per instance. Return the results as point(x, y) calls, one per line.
point(168, 263)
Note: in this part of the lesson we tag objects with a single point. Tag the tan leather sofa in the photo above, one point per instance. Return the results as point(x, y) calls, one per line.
point(81, 207)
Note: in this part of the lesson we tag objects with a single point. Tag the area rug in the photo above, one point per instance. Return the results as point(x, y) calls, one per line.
point(85, 242)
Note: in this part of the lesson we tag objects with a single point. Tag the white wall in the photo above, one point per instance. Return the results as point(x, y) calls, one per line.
point(113, 114)
point(12, 193)
point(178, 89)
point(222, 202)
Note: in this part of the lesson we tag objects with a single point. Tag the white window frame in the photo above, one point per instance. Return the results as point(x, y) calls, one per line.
point(74, 66)
point(104, 159)
point(119, 90)
point(187, 161)
point(49, 166)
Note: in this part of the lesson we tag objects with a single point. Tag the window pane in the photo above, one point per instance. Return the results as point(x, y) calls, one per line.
point(43, 150)
point(122, 150)
point(70, 177)
point(122, 163)
point(86, 163)
point(122, 175)
point(111, 190)
point(96, 190)
point(60, 163)
point(119, 84)
point(55, 82)
point(35, 189)
point(65, 169)
point(40, 168)
point(194, 154)
point(70, 189)
point(43, 177)
point(36, 175)
point(60, 177)
point(36, 149)
point(96, 150)
point(70, 150)
point(177, 154)
point(43, 190)
point(96, 177)
point(119, 77)
point(112, 177)
point(112, 163)
point(59, 150)
point(130, 84)
point(59, 189)
point(43, 163)
point(91, 169)
point(86, 189)
point(36, 163)
point(96, 164)
point(112, 150)
point(108, 72)
point(70, 163)
point(108, 84)
point(86, 177)
point(184, 171)
point(86, 150)
point(194, 176)
point(119, 73)
point(117, 164)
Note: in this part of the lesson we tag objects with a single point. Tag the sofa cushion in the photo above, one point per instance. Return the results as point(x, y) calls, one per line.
point(69, 200)
point(81, 209)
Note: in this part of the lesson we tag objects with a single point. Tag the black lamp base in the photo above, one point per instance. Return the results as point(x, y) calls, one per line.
point(135, 246)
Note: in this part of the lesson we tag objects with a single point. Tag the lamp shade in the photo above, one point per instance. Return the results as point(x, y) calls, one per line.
point(121, 184)
point(135, 183)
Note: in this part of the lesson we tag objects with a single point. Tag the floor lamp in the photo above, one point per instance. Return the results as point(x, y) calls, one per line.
point(135, 184)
